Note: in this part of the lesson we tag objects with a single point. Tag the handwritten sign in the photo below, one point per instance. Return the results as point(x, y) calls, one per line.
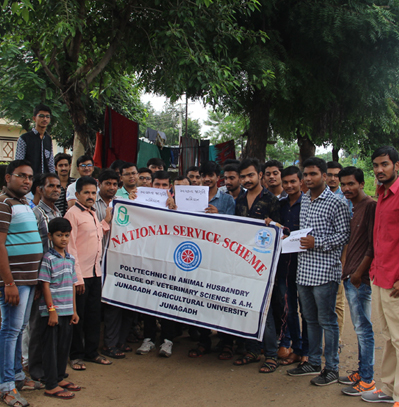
point(291, 244)
point(191, 198)
point(152, 196)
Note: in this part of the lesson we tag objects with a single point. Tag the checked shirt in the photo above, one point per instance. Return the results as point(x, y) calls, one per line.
point(329, 217)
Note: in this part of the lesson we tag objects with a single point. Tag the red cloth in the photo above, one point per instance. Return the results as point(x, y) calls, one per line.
point(225, 151)
point(119, 141)
point(384, 270)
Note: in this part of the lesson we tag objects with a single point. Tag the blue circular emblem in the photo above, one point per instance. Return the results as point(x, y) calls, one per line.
point(187, 256)
point(263, 238)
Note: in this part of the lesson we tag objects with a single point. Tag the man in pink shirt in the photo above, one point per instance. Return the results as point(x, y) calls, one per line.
point(86, 246)
point(384, 271)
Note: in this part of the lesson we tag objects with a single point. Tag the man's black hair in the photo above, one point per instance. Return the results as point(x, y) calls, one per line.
point(84, 158)
point(231, 168)
point(82, 181)
point(59, 225)
point(15, 164)
point(231, 161)
point(291, 170)
point(42, 108)
point(356, 172)
point(108, 174)
point(192, 168)
point(62, 156)
point(182, 178)
point(209, 168)
point(143, 170)
point(334, 164)
point(156, 161)
point(390, 151)
point(116, 165)
point(44, 177)
point(126, 166)
point(37, 180)
point(273, 163)
point(248, 162)
point(160, 175)
point(317, 162)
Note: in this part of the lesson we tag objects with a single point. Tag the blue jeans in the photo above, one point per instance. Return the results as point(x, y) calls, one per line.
point(318, 307)
point(14, 321)
point(269, 339)
point(359, 300)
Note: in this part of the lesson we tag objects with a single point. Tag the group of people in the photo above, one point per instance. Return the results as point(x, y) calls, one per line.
point(59, 244)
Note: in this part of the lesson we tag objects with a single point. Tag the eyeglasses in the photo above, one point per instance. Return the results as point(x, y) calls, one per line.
point(144, 178)
point(127, 174)
point(24, 176)
point(86, 165)
point(332, 175)
point(42, 116)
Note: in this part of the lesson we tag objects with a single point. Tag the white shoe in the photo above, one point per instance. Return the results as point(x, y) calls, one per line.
point(166, 348)
point(145, 347)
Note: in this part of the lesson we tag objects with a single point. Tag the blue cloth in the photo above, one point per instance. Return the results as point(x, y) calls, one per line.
point(318, 307)
point(341, 195)
point(13, 322)
point(359, 300)
point(224, 203)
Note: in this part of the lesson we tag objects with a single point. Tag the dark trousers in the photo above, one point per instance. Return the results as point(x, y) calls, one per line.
point(269, 339)
point(86, 334)
point(117, 324)
point(56, 342)
point(150, 328)
point(35, 364)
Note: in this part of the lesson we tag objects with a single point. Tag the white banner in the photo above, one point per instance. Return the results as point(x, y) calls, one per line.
point(212, 271)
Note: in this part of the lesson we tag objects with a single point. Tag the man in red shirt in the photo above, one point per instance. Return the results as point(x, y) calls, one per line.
point(384, 271)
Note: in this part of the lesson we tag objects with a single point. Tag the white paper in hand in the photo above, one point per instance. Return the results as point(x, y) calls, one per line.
point(191, 198)
point(152, 196)
point(291, 244)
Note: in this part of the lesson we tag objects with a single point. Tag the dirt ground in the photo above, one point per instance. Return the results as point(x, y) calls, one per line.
point(150, 380)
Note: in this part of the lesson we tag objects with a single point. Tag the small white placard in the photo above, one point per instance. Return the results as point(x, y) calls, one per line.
point(291, 244)
point(152, 196)
point(191, 198)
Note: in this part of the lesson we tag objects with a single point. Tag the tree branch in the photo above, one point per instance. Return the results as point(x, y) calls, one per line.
point(46, 68)
point(73, 52)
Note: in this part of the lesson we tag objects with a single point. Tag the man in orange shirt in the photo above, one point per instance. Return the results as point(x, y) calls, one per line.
point(86, 246)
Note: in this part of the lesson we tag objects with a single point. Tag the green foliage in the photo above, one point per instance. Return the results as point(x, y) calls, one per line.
point(168, 122)
point(286, 152)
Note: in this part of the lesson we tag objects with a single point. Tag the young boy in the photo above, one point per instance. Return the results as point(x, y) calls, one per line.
point(57, 309)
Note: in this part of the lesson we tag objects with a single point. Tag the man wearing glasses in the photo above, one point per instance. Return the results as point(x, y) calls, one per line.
point(36, 145)
point(145, 177)
point(21, 250)
point(85, 167)
point(129, 176)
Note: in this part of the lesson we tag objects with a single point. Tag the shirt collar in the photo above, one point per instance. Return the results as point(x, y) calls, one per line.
point(83, 208)
point(286, 199)
point(55, 253)
point(6, 191)
point(323, 195)
point(393, 188)
point(46, 208)
point(36, 132)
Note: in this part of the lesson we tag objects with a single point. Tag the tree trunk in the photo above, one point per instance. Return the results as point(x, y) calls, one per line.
point(306, 148)
point(258, 127)
point(78, 150)
point(335, 152)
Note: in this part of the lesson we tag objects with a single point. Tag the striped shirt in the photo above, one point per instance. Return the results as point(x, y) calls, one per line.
point(23, 243)
point(61, 203)
point(60, 273)
point(44, 214)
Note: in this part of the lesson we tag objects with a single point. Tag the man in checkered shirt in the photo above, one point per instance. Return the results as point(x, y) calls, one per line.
point(319, 270)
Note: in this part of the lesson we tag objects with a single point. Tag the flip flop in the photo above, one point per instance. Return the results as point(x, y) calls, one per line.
point(29, 384)
point(99, 360)
point(71, 387)
point(77, 362)
point(58, 395)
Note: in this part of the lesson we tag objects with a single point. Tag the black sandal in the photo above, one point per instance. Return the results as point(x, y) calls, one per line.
point(113, 352)
point(198, 352)
point(247, 359)
point(271, 364)
point(226, 353)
